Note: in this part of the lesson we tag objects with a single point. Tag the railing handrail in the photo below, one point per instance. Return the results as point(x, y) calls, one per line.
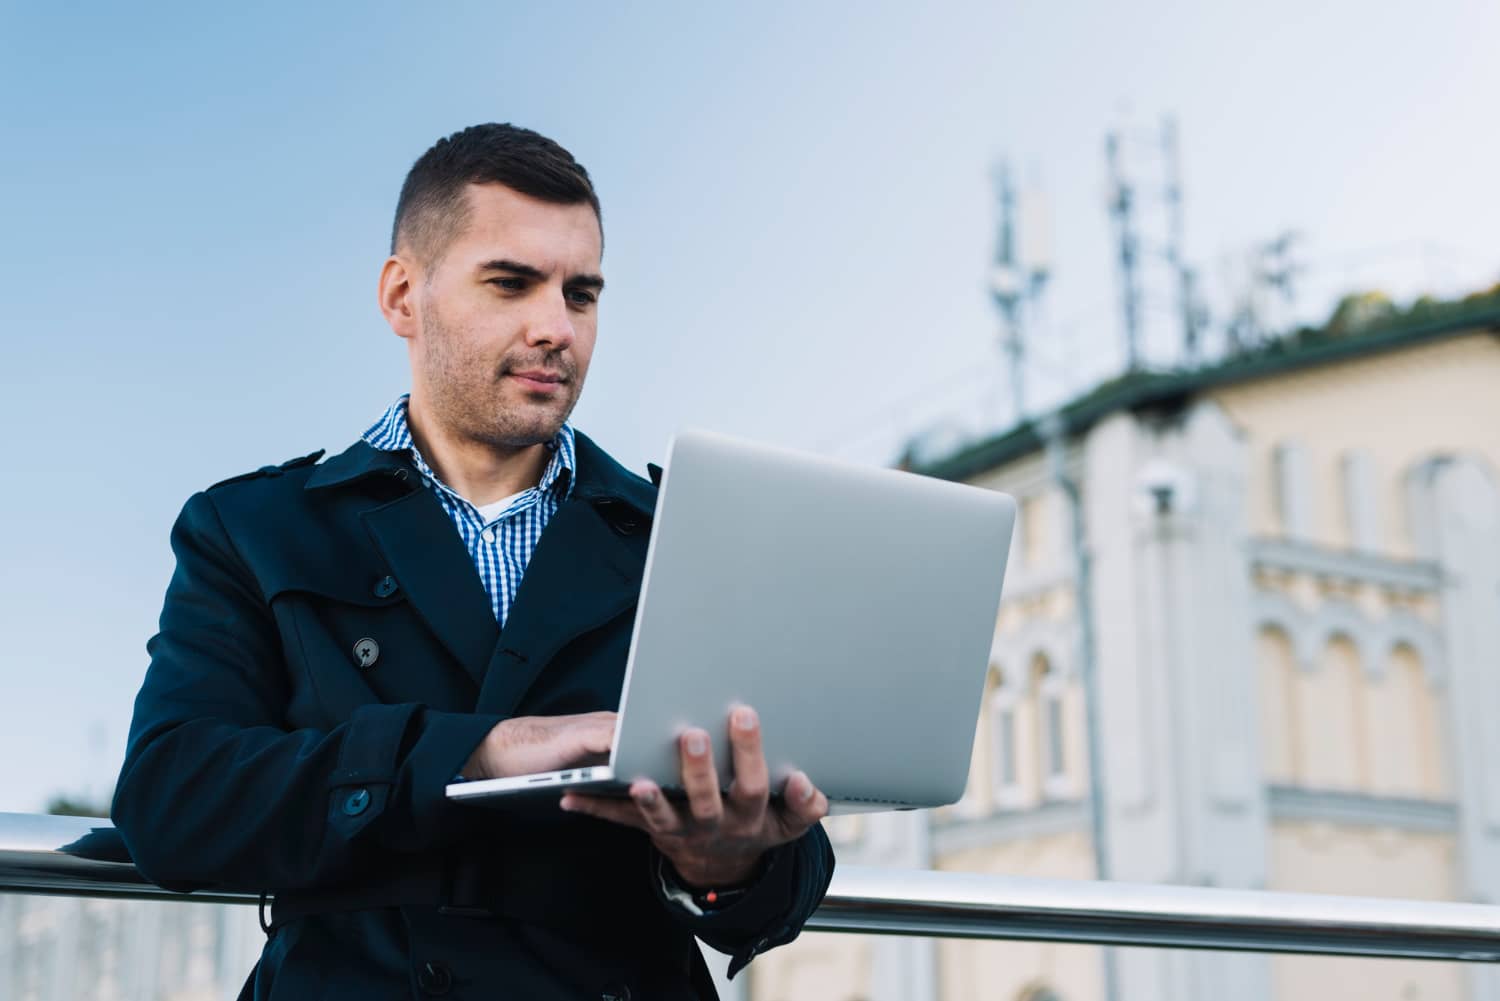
point(81, 856)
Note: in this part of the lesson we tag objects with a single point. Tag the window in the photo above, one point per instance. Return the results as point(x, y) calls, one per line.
point(1005, 768)
point(1293, 483)
point(1406, 746)
point(1280, 717)
point(1361, 501)
point(1055, 764)
point(1331, 704)
point(1008, 746)
point(1047, 696)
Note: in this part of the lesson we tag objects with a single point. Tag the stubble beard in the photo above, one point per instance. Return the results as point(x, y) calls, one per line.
point(470, 395)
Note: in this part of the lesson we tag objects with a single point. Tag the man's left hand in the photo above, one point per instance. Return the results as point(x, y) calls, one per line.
point(716, 840)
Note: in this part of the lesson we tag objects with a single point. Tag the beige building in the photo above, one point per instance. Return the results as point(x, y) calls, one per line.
point(1296, 593)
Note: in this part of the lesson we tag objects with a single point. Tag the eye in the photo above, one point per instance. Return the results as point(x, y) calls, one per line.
point(508, 284)
point(581, 297)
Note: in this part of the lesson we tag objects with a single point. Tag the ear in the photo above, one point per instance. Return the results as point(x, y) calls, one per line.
point(398, 284)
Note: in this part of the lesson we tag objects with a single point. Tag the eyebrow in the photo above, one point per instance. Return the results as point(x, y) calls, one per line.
point(595, 282)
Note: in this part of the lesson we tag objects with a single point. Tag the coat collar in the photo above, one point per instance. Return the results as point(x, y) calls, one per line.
point(600, 477)
point(355, 463)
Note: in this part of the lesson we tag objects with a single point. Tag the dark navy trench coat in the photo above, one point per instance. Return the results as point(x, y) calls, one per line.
point(264, 757)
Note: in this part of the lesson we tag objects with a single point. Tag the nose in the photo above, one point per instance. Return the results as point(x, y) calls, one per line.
point(551, 324)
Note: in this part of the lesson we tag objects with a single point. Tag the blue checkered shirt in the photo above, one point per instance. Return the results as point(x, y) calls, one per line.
point(501, 547)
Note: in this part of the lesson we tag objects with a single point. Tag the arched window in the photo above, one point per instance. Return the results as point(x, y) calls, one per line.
point(1005, 765)
point(1331, 710)
point(1047, 692)
point(1279, 723)
point(1406, 756)
point(1428, 736)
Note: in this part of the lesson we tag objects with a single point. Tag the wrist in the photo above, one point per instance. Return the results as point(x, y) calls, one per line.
point(479, 764)
point(703, 879)
point(702, 901)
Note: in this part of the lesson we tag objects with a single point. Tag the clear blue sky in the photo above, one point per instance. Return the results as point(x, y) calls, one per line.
point(197, 199)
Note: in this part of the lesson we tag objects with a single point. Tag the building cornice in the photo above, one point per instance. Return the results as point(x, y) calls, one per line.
point(1362, 809)
point(1045, 820)
point(1344, 565)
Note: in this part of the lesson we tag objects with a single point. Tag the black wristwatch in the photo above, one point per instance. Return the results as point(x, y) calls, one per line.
point(701, 902)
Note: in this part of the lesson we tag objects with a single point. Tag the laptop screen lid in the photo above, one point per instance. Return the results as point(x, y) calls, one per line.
point(853, 607)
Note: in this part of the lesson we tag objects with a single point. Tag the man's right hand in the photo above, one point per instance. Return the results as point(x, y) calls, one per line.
point(526, 745)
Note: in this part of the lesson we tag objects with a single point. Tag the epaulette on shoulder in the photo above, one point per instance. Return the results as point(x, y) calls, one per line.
point(305, 460)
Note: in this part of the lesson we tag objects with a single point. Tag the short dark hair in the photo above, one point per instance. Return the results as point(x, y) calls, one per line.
point(433, 206)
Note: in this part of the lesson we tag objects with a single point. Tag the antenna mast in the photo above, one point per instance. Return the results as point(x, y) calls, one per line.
point(1008, 288)
point(1121, 205)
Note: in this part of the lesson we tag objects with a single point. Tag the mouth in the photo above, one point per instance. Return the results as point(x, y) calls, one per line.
point(538, 380)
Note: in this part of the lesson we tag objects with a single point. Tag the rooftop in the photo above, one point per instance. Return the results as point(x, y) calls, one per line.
point(1346, 336)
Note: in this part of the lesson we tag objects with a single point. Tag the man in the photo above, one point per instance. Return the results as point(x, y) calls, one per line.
point(452, 595)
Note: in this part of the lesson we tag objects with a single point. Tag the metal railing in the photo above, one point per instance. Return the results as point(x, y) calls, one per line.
point(76, 856)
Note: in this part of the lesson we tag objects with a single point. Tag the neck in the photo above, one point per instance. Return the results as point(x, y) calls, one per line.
point(479, 472)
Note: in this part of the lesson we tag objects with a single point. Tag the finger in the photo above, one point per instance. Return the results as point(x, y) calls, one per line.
point(803, 804)
point(615, 811)
point(751, 787)
point(700, 780)
point(660, 815)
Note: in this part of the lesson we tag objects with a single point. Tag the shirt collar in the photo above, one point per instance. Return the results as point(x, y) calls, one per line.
point(391, 433)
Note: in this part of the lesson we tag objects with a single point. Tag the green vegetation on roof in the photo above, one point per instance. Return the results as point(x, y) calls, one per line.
point(1363, 324)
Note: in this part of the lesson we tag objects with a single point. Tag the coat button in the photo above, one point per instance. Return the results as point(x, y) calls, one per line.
point(434, 979)
point(615, 992)
point(386, 586)
point(357, 802)
point(366, 652)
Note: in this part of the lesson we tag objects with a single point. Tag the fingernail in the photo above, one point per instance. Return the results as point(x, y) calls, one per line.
point(807, 789)
point(649, 797)
point(697, 744)
point(566, 803)
point(744, 718)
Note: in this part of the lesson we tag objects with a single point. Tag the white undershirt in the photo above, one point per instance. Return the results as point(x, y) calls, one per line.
point(489, 512)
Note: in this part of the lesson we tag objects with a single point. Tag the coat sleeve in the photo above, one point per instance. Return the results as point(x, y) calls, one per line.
point(773, 912)
point(215, 791)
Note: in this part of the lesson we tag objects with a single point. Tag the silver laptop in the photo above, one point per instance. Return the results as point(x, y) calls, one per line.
point(853, 607)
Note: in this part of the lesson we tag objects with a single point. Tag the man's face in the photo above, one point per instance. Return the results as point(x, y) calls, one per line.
point(507, 318)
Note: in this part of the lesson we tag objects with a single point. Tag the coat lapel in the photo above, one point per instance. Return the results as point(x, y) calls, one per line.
point(422, 549)
point(584, 573)
point(429, 561)
point(586, 570)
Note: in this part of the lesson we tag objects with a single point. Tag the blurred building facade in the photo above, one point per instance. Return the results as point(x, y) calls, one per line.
point(1296, 592)
point(78, 949)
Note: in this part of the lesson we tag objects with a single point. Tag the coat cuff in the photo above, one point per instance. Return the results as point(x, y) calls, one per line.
point(753, 923)
point(433, 749)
